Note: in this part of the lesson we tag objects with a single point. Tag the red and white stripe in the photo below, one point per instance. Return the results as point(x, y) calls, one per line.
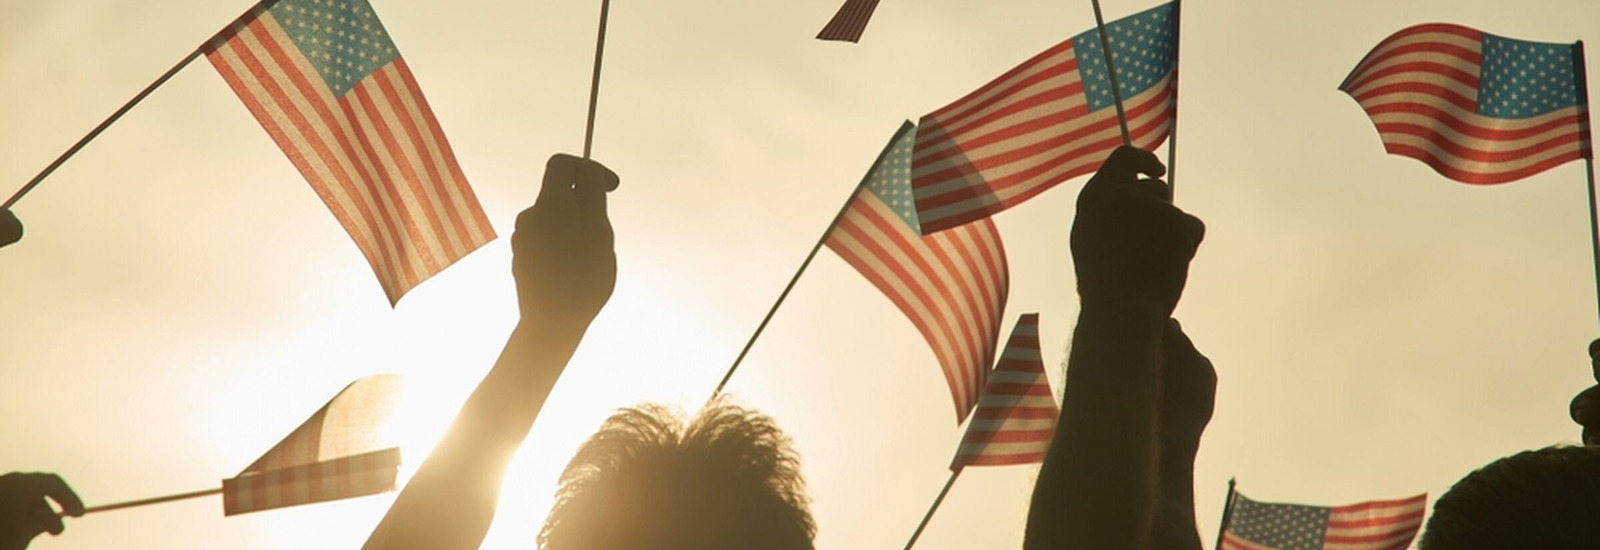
point(376, 155)
point(1016, 416)
point(849, 22)
point(1020, 135)
point(952, 285)
point(1420, 87)
point(1376, 525)
point(347, 477)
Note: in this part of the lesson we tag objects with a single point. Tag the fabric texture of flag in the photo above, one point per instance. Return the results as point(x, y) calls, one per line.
point(849, 22)
point(326, 82)
point(340, 452)
point(1375, 525)
point(1476, 107)
point(1016, 415)
point(1048, 120)
point(952, 285)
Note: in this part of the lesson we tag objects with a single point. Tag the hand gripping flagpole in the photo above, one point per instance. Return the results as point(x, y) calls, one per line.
point(1111, 72)
point(594, 83)
point(906, 127)
point(264, 4)
point(1588, 160)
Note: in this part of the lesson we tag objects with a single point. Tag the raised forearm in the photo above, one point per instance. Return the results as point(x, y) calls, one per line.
point(1098, 485)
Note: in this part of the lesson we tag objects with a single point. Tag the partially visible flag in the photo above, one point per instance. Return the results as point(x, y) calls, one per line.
point(1476, 107)
point(952, 285)
point(337, 453)
point(1048, 120)
point(1016, 416)
point(326, 82)
point(849, 22)
point(1375, 525)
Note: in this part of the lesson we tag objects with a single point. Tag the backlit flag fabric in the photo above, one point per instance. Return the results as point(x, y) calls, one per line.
point(1048, 120)
point(1476, 107)
point(849, 22)
point(1376, 525)
point(1016, 416)
point(338, 453)
point(952, 285)
point(325, 80)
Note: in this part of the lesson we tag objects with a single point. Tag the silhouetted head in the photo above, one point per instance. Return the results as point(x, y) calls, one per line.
point(728, 480)
point(1547, 499)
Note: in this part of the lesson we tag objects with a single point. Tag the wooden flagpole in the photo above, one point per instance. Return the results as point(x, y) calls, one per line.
point(1588, 160)
point(1111, 72)
point(906, 127)
point(594, 83)
point(931, 509)
point(1227, 513)
point(149, 501)
point(263, 5)
point(1172, 132)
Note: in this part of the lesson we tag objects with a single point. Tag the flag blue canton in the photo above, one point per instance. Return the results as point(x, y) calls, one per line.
point(890, 180)
point(342, 38)
point(1141, 47)
point(1522, 79)
point(1283, 526)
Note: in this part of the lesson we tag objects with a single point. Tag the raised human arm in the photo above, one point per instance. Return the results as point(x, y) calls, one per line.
point(565, 265)
point(1099, 485)
point(1188, 395)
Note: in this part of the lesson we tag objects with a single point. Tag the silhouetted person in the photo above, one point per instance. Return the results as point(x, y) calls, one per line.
point(1547, 499)
point(1585, 408)
point(10, 228)
point(565, 265)
point(728, 480)
point(24, 513)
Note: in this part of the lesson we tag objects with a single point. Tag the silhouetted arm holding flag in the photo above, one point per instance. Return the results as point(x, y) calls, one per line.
point(1188, 395)
point(1101, 484)
point(565, 266)
point(24, 513)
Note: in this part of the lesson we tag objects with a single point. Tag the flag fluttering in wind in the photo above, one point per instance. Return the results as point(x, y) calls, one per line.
point(848, 24)
point(952, 285)
point(1048, 120)
point(1476, 107)
point(337, 453)
point(1016, 416)
point(324, 79)
point(1375, 525)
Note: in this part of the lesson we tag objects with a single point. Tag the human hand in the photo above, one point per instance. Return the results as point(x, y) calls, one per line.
point(10, 228)
point(24, 514)
point(1188, 390)
point(563, 251)
point(1130, 245)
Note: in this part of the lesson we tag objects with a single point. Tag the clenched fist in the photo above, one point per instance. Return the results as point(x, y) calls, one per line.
point(1130, 245)
point(563, 254)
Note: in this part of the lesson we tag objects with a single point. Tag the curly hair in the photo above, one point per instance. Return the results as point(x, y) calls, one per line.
point(729, 479)
point(1547, 498)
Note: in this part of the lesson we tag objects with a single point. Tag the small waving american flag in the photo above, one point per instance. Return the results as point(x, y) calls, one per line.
point(1016, 416)
point(848, 24)
point(1374, 525)
point(1476, 107)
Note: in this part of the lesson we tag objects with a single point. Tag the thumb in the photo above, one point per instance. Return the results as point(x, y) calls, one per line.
point(560, 172)
point(1125, 165)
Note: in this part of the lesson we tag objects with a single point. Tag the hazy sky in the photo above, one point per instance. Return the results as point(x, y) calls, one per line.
point(182, 299)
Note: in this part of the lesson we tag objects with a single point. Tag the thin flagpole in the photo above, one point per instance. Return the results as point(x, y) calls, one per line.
point(807, 263)
point(149, 501)
point(264, 4)
point(1111, 72)
point(1172, 133)
point(1227, 512)
point(1594, 219)
point(931, 509)
point(594, 83)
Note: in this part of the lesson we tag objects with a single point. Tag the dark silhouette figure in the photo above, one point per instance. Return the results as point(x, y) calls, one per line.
point(565, 265)
point(1585, 408)
point(10, 228)
point(1138, 395)
point(1547, 499)
point(24, 513)
point(729, 479)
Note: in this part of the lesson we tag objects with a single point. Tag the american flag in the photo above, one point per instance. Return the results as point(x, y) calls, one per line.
point(1050, 119)
point(337, 453)
point(1375, 525)
point(325, 81)
point(849, 22)
point(1016, 416)
point(952, 285)
point(1476, 107)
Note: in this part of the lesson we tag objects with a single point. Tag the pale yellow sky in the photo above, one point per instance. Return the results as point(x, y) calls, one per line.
point(182, 300)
